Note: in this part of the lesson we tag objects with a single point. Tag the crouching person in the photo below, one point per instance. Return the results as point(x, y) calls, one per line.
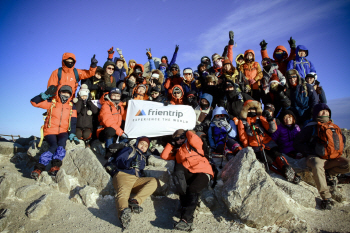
point(60, 124)
point(254, 128)
point(126, 169)
point(192, 172)
point(322, 141)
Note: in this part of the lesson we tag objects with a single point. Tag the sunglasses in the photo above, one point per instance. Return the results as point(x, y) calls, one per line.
point(110, 68)
point(219, 116)
point(293, 76)
point(174, 69)
point(188, 74)
point(154, 93)
point(177, 92)
point(180, 137)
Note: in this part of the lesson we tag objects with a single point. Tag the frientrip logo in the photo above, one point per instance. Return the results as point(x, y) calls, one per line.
point(140, 113)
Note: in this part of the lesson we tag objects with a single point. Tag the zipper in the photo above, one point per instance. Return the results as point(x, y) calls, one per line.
point(60, 119)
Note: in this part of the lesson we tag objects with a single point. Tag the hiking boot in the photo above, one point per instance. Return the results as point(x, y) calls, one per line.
point(36, 174)
point(289, 173)
point(182, 225)
point(326, 204)
point(53, 171)
point(134, 206)
point(125, 218)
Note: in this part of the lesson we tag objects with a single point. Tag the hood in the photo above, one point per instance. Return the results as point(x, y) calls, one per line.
point(318, 108)
point(250, 104)
point(131, 60)
point(63, 87)
point(66, 56)
point(172, 89)
point(209, 60)
point(218, 111)
point(211, 78)
point(284, 113)
point(107, 63)
point(208, 97)
point(177, 66)
point(241, 54)
point(281, 47)
point(139, 66)
point(300, 47)
point(161, 76)
point(250, 51)
point(289, 73)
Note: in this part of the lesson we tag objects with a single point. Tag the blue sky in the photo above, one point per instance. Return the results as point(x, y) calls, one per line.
point(35, 34)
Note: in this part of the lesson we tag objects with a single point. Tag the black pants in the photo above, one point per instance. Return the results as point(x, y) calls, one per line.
point(107, 133)
point(56, 140)
point(83, 133)
point(271, 155)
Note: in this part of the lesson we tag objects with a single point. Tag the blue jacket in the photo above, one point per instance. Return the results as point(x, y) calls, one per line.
point(302, 65)
point(217, 135)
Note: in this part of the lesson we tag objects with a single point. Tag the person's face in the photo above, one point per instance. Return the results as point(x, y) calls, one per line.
point(164, 61)
point(323, 113)
point(293, 79)
point(252, 110)
point(188, 76)
point(132, 64)
point(202, 68)
point(154, 94)
point(240, 60)
point(310, 80)
point(249, 56)
point(177, 94)
point(141, 90)
point(218, 62)
point(302, 53)
point(204, 101)
point(174, 70)
point(211, 83)
point(98, 75)
point(265, 63)
point(219, 115)
point(132, 78)
point(84, 97)
point(288, 119)
point(229, 88)
point(143, 146)
point(227, 67)
point(65, 93)
point(180, 139)
point(115, 96)
point(110, 69)
point(120, 64)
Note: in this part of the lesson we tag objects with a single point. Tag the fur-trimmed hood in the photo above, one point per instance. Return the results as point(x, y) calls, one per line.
point(289, 73)
point(161, 76)
point(211, 78)
point(250, 104)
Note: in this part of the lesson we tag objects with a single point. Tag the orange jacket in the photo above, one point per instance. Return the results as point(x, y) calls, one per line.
point(68, 77)
point(60, 118)
point(172, 81)
point(252, 70)
point(282, 64)
point(174, 100)
point(186, 156)
point(110, 115)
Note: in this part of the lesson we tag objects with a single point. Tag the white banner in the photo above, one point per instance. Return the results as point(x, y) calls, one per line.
point(97, 103)
point(152, 119)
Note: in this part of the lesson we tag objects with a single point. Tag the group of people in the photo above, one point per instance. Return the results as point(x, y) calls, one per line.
point(227, 96)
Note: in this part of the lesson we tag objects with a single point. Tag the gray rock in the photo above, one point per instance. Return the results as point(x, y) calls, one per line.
point(4, 218)
point(27, 191)
point(83, 164)
point(250, 192)
point(45, 178)
point(156, 161)
point(163, 177)
point(295, 225)
point(208, 197)
point(70, 145)
point(346, 153)
point(39, 208)
point(98, 148)
point(63, 181)
point(88, 196)
point(302, 193)
point(9, 148)
point(4, 188)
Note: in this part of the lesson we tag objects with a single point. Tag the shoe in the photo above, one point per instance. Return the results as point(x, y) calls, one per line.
point(183, 225)
point(35, 174)
point(53, 171)
point(125, 218)
point(134, 206)
point(326, 204)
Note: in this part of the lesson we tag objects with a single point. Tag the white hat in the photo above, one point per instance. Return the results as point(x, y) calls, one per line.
point(84, 90)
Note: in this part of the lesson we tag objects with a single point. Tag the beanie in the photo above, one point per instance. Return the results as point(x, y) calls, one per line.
point(215, 56)
point(227, 61)
point(144, 139)
point(84, 91)
point(107, 63)
point(115, 90)
point(178, 133)
point(274, 78)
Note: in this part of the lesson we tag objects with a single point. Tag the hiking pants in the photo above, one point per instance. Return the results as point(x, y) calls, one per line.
point(340, 165)
point(125, 184)
point(83, 133)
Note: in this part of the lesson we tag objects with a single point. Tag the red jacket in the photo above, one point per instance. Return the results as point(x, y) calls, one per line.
point(68, 77)
point(282, 64)
point(186, 156)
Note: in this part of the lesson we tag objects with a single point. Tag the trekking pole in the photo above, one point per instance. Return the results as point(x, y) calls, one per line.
point(261, 149)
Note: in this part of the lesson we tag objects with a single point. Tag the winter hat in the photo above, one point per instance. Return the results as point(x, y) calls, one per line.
point(187, 70)
point(266, 59)
point(100, 71)
point(178, 133)
point(274, 79)
point(211, 78)
point(286, 112)
point(191, 93)
point(215, 56)
point(66, 88)
point(142, 85)
point(312, 75)
point(107, 63)
point(84, 91)
point(318, 108)
point(155, 75)
point(269, 107)
point(115, 91)
point(227, 61)
point(144, 139)
point(155, 89)
point(118, 59)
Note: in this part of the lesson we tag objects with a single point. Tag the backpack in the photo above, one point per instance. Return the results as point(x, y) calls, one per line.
point(301, 99)
point(330, 142)
point(59, 74)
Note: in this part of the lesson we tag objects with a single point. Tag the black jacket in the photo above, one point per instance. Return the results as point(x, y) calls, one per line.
point(85, 120)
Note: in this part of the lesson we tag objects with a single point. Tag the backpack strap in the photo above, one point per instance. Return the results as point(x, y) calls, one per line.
point(52, 106)
point(76, 75)
point(70, 115)
point(59, 74)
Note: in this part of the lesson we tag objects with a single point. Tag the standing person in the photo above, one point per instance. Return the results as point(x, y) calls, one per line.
point(189, 83)
point(323, 142)
point(239, 60)
point(174, 79)
point(60, 124)
point(252, 71)
point(270, 69)
point(126, 168)
point(109, 80)
point(86, 110)
point(300, 63)
point(69, 75)
point(120, 71)
point(177, 95)
point(192, 172)
point(96, 84)
point(231, 73)
point(280, 54)
point(204, 108)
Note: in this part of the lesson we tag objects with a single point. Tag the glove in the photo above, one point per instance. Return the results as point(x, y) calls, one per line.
point(50, 92)
point(252, 81)
point(198, 128)
point(176, 48)
point(72, 137)
point(226, 125)
point(120, 52)
point(263, 45)
point(224, 54)
point(110, 53)
point(231, 38)
point(75, 100)
point(93, 62)
point(166, 103)
point(149, 54)
point(291, 43)
point(267, 115)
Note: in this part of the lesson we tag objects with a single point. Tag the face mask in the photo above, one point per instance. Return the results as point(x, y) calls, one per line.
point(323, 119)
point(204, 106)
point(64, 98)
point(139, 80)
point(130, 83)
point(248, 60)
point(279, 56)
point(69, 64)
point(163, 69)
point(116, 101)
point(218, 63)
point(251, 114)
